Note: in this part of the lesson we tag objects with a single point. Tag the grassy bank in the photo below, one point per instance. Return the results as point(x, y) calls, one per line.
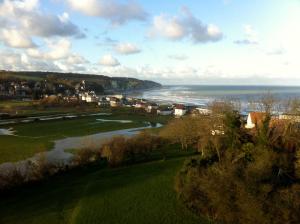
point(135, 194)
point(39, 136)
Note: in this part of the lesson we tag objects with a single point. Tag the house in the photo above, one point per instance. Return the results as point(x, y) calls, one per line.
point(81, 96)
point(203, 111)
point(151, 107)
point(179, 110)
point(140, 105)
point(120, 96)
point(103, 103)
point(130, 99)
point(80, 87)
point(290, 117)
point(70, 98)
point(89, 97)
point(200, 111)
point(255, 119)
point(115, 102)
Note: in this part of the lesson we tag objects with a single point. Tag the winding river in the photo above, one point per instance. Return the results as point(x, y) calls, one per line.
point(58, 154)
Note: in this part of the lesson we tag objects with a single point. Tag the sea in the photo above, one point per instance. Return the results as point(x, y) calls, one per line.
point(202, 95)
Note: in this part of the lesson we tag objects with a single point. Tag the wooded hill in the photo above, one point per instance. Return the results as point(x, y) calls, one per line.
point(99, 83)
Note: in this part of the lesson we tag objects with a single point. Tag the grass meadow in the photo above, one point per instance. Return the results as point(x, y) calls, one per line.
point(142, 193)
point(38, 136)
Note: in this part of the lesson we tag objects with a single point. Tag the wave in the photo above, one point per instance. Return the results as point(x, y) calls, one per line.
point(202, 95)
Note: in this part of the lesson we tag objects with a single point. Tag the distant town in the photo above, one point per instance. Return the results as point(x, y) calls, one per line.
point(50, 92)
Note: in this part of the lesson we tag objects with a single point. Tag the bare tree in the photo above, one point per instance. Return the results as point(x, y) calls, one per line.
point(268, 103)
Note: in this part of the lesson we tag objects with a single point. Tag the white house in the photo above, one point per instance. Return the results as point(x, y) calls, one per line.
point(91, 99)
point(140, 105)
point(103, 103)
point(180, 110)
point(254, 119)
point(203, 111)
point(151, 107)
point(82, 96)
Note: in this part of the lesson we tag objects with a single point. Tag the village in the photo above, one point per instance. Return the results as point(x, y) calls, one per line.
point(45, 91)
point(120, 100)
point(251, 119)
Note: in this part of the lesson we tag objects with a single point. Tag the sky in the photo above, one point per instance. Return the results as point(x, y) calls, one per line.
point(231, 42)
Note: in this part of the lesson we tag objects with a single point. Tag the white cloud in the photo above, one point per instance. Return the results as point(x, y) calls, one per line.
point(109, 60)
point(35, 53)
point(26, 17)
point(56, 50)
point(165, 74)
point(184, 26)
point(11, 7)
point(15, 38)
point(113, 10)
point(251, 36)
point(76, 59)
point(16, 61)
point(127, 48)
point(11, 60)
point(47, 25)
point(168, 27)
point(55, 55)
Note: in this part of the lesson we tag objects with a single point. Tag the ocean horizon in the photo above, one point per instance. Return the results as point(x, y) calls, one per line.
point(204, 94)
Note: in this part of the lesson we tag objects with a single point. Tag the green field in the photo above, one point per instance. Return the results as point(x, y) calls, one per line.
point(39, 136)
point(17, 108)
point(142, 193)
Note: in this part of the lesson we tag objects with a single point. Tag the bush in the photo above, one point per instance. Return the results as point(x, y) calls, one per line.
point(11, 178)
point(114, 151)
point(84, 157)
point(120, 150)
point(17, 174)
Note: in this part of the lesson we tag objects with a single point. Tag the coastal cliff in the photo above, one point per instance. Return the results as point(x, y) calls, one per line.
point(98, 83)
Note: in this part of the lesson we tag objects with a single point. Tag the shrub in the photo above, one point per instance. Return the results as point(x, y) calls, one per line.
point(18, 174)
point(114, 150)
point(142, 145)
point(84, 157)
point(120, 150)
point(12, 177)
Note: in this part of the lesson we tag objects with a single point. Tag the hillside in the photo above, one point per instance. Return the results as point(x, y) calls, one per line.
point(140, 193)
point(98, 83)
